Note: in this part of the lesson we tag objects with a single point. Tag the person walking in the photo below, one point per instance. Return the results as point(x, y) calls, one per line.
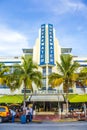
point(30, 113)
point(27, 114)
point(13, 113)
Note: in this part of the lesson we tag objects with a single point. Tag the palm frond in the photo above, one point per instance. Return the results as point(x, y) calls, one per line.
point(66, 74)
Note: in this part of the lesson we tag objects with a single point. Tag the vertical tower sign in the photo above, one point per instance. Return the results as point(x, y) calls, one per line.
point(42, 45)
point(51, 44)
point(47, 44)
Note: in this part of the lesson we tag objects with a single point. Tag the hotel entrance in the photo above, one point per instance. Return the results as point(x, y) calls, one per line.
point(47, 106)
point(47, 102)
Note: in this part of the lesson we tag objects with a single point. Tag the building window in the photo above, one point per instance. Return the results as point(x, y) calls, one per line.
point(42, 36)
point(50, 36)
point(50, 33)
point(42, 43)
point(44, 71)
point(43, 29)
point(49, 70)
point(44, 82)
point(51, 43)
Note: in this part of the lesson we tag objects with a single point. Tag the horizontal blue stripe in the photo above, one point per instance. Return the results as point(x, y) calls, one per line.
point(10, 62)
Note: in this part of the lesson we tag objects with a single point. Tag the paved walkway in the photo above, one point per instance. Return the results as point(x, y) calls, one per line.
point(53, 118)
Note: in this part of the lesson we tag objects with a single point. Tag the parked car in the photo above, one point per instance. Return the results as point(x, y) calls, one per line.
point(5, 114)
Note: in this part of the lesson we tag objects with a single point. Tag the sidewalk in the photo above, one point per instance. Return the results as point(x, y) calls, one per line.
point(52, 118)
point(55, 120)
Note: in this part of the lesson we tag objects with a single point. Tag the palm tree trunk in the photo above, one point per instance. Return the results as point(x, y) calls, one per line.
point(24, 104)
point(67, 104)
point(59, 109)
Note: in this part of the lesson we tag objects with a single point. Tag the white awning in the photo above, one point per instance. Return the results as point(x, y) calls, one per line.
point(46, 98)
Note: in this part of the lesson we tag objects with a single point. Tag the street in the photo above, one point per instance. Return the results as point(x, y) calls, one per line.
point(45, 126)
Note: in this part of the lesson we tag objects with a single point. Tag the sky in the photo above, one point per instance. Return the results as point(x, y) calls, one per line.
point(20, 21)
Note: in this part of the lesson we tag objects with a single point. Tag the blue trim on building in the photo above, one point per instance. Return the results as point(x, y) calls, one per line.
point(81, 86)
point(83, 65)
point(42, 45)
point(51, 44)
point(4, 87)
point(10, 62)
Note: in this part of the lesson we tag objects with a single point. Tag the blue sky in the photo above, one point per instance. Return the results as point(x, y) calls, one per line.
point(20, 21)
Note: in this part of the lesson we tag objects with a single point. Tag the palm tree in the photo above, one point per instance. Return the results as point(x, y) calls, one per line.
point(3, 72)
point(83, 82)
point(25, 74)
point(83, 76)
point(66, 75)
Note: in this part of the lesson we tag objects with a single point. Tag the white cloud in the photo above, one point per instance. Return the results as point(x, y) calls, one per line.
point(11, 42)
point(64, 6)
point(76, 5)
point(57, 7)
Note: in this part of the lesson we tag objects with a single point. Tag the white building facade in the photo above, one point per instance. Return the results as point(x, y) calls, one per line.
point(9, 61)
point(45, 53)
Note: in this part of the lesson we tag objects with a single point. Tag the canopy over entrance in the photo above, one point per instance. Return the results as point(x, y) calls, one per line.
point(11, 99)
point(46, 98)
point(76, 98)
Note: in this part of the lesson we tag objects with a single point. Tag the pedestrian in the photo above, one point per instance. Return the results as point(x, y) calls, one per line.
point(13, 113)
point(23, 117)
point(30, 113)
point(27, 115)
